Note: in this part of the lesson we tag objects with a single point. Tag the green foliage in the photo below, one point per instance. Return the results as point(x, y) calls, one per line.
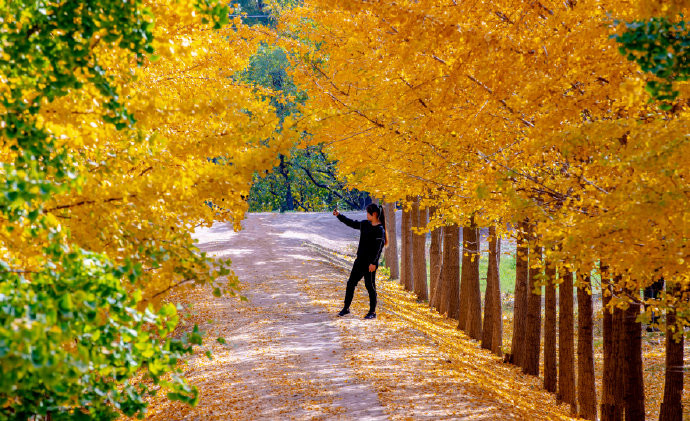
point(661, 48)
point(47, 48)
point(506, 271)
point(306, 178)
point(255, 12)
point(261, 12)
point(72, 339)
point(268, 68)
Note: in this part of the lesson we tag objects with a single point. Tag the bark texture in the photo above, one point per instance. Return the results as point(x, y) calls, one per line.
point(672, 406)
point(632, 358)
point(464, 302)
point(406, 278)
point(469, 284)
point(420, 282)
point(435, 259)
point(533, 326)
point(450, 276)
point(586, 389)
point(391, 250)
point(520, 301)
point(566, 341)
point(611, 407)
point(550, 366)
point(492, 330)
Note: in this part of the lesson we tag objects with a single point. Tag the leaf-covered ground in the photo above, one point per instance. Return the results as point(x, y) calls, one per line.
point(287, 356)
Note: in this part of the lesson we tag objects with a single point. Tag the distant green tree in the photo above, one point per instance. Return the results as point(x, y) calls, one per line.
point(306, 178)
point(306, 181)
point(661, 47)
point(256, 12)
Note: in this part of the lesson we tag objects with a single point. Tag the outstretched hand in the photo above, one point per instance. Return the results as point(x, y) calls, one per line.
point(336, 213)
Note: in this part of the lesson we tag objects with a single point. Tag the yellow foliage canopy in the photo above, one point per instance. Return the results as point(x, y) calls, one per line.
point(504, 111)
point(200, 135)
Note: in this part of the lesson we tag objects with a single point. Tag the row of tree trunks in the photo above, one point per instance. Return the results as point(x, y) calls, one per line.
point(419, 221)
point(623, 388)
point(492, 329)
point(391, 250)
point(623, 392)
point(457, 300)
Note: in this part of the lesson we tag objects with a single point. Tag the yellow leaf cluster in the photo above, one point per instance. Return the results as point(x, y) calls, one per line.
point(502, 111)
point(200, 135)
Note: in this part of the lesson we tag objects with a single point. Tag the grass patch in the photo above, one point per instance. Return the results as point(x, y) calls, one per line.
point(506, 270)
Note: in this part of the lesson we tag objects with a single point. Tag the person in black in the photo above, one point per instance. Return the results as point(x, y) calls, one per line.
point(372, 238)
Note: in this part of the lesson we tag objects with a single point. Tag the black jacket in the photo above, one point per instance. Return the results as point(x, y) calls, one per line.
point(371, 239)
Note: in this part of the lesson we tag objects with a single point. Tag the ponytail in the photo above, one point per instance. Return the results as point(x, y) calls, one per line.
point(382, 218)
point(371, 208)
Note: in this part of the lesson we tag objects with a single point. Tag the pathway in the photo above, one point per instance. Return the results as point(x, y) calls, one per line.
point(287, 356)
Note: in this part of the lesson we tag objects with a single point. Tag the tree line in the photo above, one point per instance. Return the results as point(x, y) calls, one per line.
point(562, 124)
point(452, 287)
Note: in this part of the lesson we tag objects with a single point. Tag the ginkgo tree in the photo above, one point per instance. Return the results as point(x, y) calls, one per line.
point(511, 111)
point(122, 130)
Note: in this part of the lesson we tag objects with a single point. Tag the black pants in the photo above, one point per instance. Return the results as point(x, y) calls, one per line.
point(361, 269)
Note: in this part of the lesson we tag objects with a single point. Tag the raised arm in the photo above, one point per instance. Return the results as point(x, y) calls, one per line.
point(347, 221)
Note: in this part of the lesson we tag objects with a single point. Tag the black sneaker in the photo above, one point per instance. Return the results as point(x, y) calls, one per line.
point(343, 312)
point(370, 315)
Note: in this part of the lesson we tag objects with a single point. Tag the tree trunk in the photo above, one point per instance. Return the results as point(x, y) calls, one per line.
point(672, 406)
point(464, 267)
point(520, 300)
point(586, 389)
point(449, 302)
point(391, 250)
point(435, 259)
point(550, 369)
point(404, 221)
point(493, 324)
point(612, 382)
point(406, 278)
point(533, 325)
point(632, 358)
point(607, 405)
point(566, 341)
point(470, 277)
point(420, 282)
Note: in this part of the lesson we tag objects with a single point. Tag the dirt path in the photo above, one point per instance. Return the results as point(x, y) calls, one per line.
point(287, 356)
